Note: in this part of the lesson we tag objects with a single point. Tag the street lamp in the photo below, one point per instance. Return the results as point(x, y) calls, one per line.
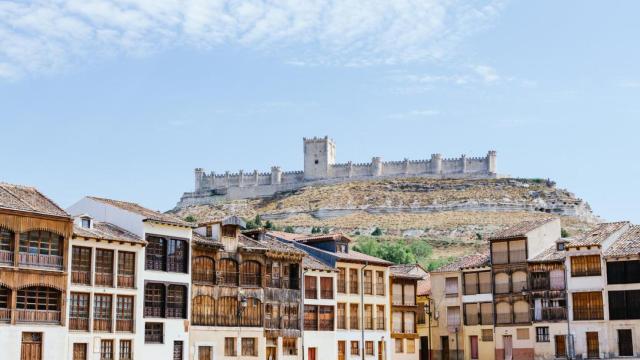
point(427, 311)
point(241, 308)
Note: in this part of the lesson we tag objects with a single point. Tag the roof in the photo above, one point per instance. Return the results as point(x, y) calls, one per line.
point(148, 214)
point(356, 256)
point(310, 262)
point(107, 231)
point(227, 220)
point(424, 286)
point(28, 199)
point(304, 238)
point(520, 229)
point(468, 261)
point(627, 244)
point(550, 254)
point(407, 271)
point(597, 235)
point(202, 240)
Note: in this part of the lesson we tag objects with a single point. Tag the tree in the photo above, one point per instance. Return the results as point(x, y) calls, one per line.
point(325, 230)
point(316, 230)
point(257, 221)
point(564, 233)
point(377, 232)
point(420, 249)
point(190, 218)
point(269, 225)
point(289, 229)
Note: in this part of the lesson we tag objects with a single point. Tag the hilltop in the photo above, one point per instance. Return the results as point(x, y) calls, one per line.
point(454, 216)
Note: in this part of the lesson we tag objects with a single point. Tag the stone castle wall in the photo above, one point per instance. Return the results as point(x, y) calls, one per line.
point(320, 168)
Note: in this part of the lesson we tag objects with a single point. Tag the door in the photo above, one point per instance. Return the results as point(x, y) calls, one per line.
point(31, 348)
point(444, 340)
point(561, 346)
point(341, 350)
point(79, 351)
point(473, 340)
point(204, 353)
point(272, 352)
point(424, 348)
point(593, 347)
point(508, 347)
point(312, 354)
point(625, 342)
point(177, 350)
point(380, 350)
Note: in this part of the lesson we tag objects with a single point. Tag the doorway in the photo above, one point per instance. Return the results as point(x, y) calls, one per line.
point(272, 352)
point(593, 346)
point(561, 346)
point(508, 347)
point(424, 348)
point(311, 354)
point(625, 342)
point(444, 340)
point(341, 350)
point(31, 347)
point(473, 341)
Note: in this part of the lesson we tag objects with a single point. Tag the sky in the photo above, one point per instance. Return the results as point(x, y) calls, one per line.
point(124, 98)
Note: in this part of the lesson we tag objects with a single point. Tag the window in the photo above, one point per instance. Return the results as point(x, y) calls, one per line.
point(204, 270)
point(560, 246)
point(39, 242)
point(230, 346)
point(326, 288)
point(310, 287)
point(227, 311)
point(43, 299)
point(353, 281)
point(126, 269)
point(79, 351)
point(81, 265)
point(229, 231)
point(411, 346)
point(177, 255)
point(6, 241)
point(368, 317)
point(542, 334)
point(451, 286)
point(102, 313)
point(249, 347)
point(396, 291)
point(79, 312)
point(409, 322)
point(125, 350)
point(342, 316)
point(228, 272)
point(342, 288)
point(396, 322)
point(104, 267)
point(399, 346)
point(471, 314)
point(155, 253)
point(380, 283)
point(522, 334)
point(380, 320)
point(368, 347)
point(471, 283)
point(487, 334)
point(326, 318)
point(486, 313)
point(409, 295)
point(86, 222)
point(153, 333)
point(176, 302)
point(310, 317)
point(250, 273)
point(205, 353)
point(484, 279)
point(368, 282)
point(623, 272)
point(177, 350)
point(209, 231)
point(124, 313)
point(289, 346)
point(203, 310)
point(106, 349)
point(624, 305)
point(587, 265)
point(587, 306)
point(154, 300)
point(453, 316)
point(354, 318)
point(355, 348)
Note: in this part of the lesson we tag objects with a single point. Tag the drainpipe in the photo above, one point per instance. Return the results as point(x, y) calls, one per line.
point(362, 305)
point(569, 345)
point(301, 320)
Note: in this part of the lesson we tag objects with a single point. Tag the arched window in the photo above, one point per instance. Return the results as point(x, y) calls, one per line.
point(6, 246)
point(519, 280)
point(228, 311)
point(228, 272)
point(42, 248)
point(204, 311)
point(252, 314)
point(250, 273)
point(38, 304)
point(204, 270)
point(521, 311)
point(503, 313)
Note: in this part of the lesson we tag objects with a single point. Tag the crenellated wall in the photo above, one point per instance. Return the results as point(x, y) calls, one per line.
point(320, 168)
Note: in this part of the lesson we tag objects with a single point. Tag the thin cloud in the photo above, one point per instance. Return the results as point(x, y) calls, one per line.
point(414, 114)
point(49, 35)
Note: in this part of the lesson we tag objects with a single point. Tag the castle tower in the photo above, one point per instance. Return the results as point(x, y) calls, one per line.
point(199, 175)
point(319, 156)
point(491, 162)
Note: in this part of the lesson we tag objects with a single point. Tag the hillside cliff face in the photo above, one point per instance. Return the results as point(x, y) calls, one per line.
point(451, 211)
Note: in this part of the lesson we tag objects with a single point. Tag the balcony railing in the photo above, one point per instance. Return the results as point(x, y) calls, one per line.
point(470, 289)
point(104, 279)
point(552, 314)
point(79, 323)
point(504, 318)
point(587, 314)
point(521, 317)
point(485, 287)
point(397, 299)
point(37, 316)
point(102, 325)
point(516, 256)
point(227, 278)
point(486, 318)
point(380, 323)
point(396, 329)
point(540, 284)
point(274, 282)
point(290, 323)
point(5, 315)
point(354, 322)
point(81, 277)
point(250, 279)
point(45, 261)
point(6, 257)
point(126, 281)
point(499, 257)
point(124, 325)
point(272, 323)
point(504, 257)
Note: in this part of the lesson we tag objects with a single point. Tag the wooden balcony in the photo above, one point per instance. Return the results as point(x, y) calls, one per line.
point(486, 318)
point(504, 318)
point(551, 314)
point(37, 316)
point(5, 315)
point(502, 288)
point(397, 300)
point(272, 323)
point(229, 278)
point(124, 325)
point(79, 323)
point(6, 257)
point(81, 277)
point(126, 281)
point(274, 282)
point(250, 280)
point(42, 261)
point(104, 279)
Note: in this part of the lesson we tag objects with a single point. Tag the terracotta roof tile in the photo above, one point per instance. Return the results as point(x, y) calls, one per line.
point(520, 229)
point(597, 235)
point(304, 238)
point(550, 254)
point(627, 244)
point(151, 215)
point(107, 231)
point(410, 271)
point(28, 199)
point(424, 286)
point(468, 261)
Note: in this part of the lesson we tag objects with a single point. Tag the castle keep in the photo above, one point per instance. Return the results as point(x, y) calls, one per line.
point(320, 168)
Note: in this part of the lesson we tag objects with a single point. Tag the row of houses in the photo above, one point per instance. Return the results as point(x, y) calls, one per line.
point(537, 295)
point(107, 279)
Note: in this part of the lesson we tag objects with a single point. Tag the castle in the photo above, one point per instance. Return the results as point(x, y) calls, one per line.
point(320, 168)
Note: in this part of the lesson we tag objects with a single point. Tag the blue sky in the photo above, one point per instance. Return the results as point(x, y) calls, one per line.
point(123, 98)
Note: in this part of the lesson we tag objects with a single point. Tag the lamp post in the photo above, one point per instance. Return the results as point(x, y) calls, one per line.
point(241, 308)
point(427, 311)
